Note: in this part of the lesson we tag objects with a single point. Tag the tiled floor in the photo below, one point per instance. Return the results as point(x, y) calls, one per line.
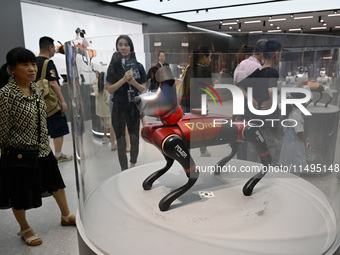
point(46, 219)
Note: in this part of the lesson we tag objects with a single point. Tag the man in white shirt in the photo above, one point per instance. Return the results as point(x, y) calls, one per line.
point(249, 65)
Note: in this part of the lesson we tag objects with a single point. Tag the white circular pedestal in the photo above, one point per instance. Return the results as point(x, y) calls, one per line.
point(283, 216)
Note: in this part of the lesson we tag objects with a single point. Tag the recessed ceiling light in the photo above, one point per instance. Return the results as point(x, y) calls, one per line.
point(295, 29)
point(273, 31)
point(304, 17)
point(272, 20)
point(253, 32)
point(252, 21)
point(333, 15)
point(229, 23)
point(315, 28)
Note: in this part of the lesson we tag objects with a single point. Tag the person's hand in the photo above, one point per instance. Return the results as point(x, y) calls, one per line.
point(128, 76)
point(255, 104)
point(267, 104)
point(308, 147)
point(63, 107)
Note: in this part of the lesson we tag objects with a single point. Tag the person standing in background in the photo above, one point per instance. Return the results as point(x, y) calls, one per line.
point(57, 123)
point(243, 70)
point(249, 65)
point(161, 59)
point(263, 80)
point(126, 78)
point(197, 75)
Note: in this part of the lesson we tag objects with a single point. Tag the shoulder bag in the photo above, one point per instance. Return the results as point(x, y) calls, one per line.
point(51, 99)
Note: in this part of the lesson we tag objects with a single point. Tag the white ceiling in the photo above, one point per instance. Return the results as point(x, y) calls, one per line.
point(209, 14)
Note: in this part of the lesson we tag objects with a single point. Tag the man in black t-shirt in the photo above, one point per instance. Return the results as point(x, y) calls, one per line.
point(56, 123)
point(263, 80)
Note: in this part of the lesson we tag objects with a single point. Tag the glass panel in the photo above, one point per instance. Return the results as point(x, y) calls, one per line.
point(110, 197)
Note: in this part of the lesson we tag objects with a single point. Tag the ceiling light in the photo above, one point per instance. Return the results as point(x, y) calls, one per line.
point(295, 29)
point(333, 15)
point(112, 1)
point(270, 17)
point(253, 32)
point(337, 26)
point(237, 20)
point(273, 31)
point(320, 19)
point(230, 27)
point(252, 21)
point(316, 28)
point(327, 57)
point(239, 30)
point(292, 15)
point(271, 24)
point(272, 20)
point(324, 24)
point(230, 23)
point(277, 27)
point(304, 17)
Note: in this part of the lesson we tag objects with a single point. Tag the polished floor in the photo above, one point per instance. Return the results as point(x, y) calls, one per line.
point(46, 220)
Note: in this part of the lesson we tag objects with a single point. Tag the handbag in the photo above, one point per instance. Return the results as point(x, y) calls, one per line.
point(22, 157)
point(51, 99)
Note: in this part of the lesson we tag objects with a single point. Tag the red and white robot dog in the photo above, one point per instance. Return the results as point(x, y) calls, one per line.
point(179, 132)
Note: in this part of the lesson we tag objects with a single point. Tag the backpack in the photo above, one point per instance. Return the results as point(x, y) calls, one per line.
point(51, 99)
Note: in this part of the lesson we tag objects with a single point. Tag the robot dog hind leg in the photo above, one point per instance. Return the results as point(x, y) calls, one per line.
point(254, 136)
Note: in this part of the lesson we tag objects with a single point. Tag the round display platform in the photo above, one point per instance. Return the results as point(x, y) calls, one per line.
point(320, 108)
point(283, 216)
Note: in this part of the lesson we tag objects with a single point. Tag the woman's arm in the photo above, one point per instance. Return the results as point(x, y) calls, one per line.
point(115, 86)
point(140, 87)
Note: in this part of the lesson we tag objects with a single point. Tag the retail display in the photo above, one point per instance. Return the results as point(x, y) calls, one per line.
point(156, 206)
point(180, 132)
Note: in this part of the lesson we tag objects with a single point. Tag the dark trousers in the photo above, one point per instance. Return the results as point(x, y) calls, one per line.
point(129, 116)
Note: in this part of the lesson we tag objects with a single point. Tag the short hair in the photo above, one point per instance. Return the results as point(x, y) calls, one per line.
point(259, 46)
point(45, 42)
point(270, 47)
point(159, 52)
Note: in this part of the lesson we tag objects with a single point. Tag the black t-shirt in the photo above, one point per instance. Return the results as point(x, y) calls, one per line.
point(261, 80)
point(51, 71)
point(115, 72)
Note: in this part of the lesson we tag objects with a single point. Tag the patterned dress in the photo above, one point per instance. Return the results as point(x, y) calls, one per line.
point(19, 129)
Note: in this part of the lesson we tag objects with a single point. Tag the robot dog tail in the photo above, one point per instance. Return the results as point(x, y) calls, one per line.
point(254, 136)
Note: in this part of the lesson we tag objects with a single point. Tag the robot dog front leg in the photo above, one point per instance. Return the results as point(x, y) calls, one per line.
point(173, 146)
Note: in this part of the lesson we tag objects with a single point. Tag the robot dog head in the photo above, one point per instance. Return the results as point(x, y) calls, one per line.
point(160, 102)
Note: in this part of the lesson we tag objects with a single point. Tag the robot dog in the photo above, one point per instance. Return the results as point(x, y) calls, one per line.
point(179, 132)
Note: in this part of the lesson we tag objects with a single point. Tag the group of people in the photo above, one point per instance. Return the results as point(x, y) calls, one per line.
point(287, 145)
point(24, 125)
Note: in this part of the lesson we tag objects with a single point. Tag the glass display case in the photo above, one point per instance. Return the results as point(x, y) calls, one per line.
point(199, 202)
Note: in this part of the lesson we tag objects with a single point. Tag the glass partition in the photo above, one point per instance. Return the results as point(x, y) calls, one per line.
point(287, 198)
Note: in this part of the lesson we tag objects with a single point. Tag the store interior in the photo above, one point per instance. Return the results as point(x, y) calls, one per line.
point(296, 210)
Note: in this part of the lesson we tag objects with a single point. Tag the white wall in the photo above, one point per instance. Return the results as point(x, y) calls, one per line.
point(61, 24)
